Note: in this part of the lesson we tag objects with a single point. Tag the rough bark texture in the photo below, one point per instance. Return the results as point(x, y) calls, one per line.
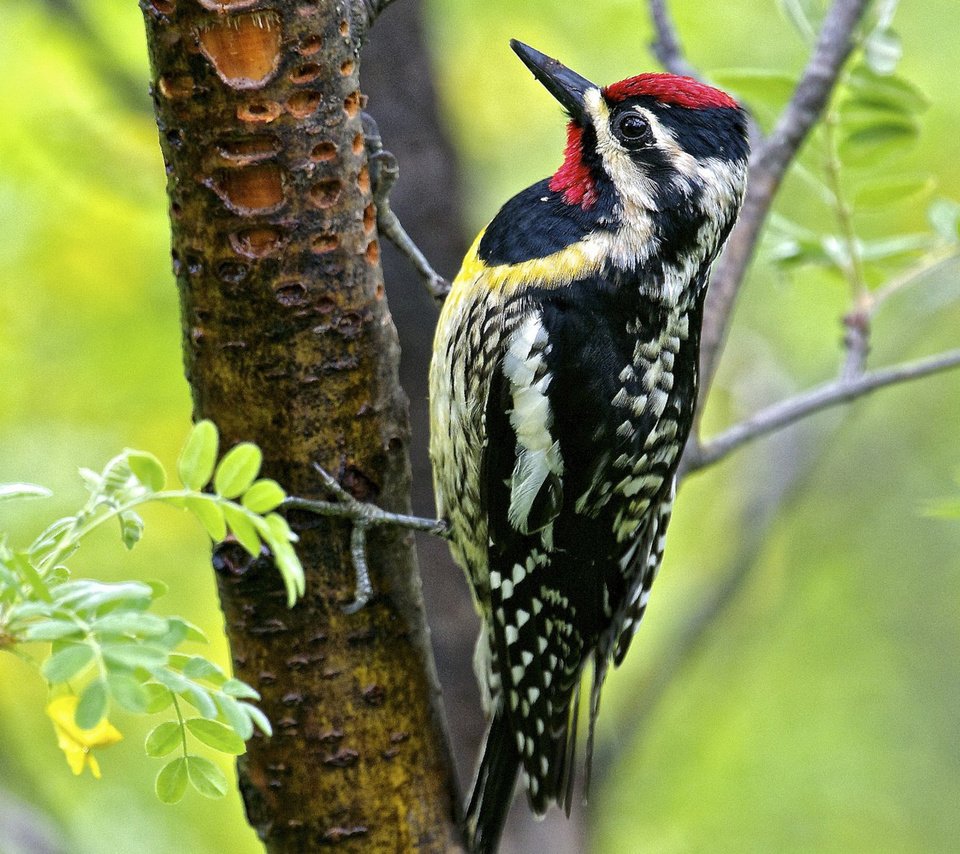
point(289, 343)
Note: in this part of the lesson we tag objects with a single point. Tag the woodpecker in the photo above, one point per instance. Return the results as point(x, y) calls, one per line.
point(562, 388)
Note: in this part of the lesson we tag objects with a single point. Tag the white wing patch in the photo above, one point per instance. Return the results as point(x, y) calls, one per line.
point(539, 464)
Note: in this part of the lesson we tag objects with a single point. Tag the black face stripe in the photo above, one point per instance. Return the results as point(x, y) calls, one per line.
point(719, 132)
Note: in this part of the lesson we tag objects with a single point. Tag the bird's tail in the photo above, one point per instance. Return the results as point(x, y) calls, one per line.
point(493, 787)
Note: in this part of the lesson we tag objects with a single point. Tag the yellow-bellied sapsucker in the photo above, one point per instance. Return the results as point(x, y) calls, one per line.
point(562, 390)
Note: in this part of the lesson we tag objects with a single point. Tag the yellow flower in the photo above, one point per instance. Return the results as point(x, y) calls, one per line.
point(78, 744)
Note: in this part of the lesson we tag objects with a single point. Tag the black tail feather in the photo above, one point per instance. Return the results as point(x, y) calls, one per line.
point(493, 788)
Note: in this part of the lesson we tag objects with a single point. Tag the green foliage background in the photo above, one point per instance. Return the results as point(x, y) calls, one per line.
point(820, 713)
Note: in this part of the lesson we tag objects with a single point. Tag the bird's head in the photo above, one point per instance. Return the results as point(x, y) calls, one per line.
point(650, 145)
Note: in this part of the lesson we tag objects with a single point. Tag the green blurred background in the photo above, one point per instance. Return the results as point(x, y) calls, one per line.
point(820, 711)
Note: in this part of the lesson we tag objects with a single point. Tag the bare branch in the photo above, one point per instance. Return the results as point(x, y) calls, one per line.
point(830, 394)
point(768, 165)
point(666, 46)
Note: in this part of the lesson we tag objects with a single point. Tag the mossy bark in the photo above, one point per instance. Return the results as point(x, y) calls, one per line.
point(289, 343)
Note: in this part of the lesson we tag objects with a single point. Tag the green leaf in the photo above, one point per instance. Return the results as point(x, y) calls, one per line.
point(892, 190)
point(163, 739)
point(10, 491)
point(134, 654)
point(243, 528)
point(172, 781)
point(28, 572)
point(206, 777)
point(92, 706)
point(179, 630)
point(236, 716)
point(127, 691)
point(191, 632)
point(265, 495)
point(882, 51)
point(279, 529)
point(258, 717)
point(88, 595)
point(177, 660)
point(66, 663)
point(131, 528)
point(130, 623)
point(199, 667)
point(200, 699)
point(172, 680)
point(870, 143)
point(209, 512)
point(116, 475)
point(48, 630)
point(237, 470)
point(147, 469)
point(158, 697)
point(894, 247)
point(216, 735)
point(199, 455)
point(291, 570)
point(240, 690)
point(888, 91)
point(157, 588)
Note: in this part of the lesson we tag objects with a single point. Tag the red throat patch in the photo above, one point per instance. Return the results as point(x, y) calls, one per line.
point(573, 178)
point(669, 89)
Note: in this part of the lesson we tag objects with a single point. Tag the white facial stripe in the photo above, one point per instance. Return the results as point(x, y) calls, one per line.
point(634, 242)
point(616, 159)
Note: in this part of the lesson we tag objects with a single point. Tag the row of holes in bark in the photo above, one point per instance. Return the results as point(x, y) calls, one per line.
point(263, 146)
point(307, 46)
point(261, 241)
point(233, 272)
point(259, 188)
point(300, 104)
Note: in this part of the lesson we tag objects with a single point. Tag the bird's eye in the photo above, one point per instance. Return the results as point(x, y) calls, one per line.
point(632, 129)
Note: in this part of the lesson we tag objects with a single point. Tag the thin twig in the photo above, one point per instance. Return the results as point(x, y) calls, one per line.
point(666, 46)
point(829, 394)
point(768, 165)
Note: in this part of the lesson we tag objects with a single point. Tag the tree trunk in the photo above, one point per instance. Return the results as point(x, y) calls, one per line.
point(289, 343)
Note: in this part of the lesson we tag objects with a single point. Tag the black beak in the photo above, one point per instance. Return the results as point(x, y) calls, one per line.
point(565, 85)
